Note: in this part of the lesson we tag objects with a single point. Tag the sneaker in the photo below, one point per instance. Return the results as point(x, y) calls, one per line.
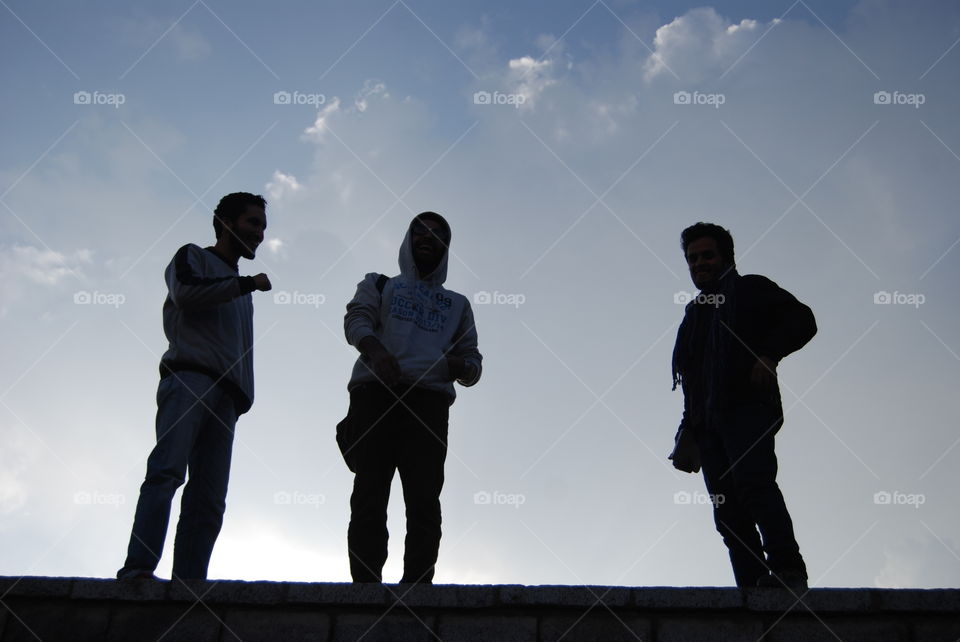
point(793, 580)
point(136, 574)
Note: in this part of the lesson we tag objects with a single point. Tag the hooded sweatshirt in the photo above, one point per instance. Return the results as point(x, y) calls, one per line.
point(418, 321)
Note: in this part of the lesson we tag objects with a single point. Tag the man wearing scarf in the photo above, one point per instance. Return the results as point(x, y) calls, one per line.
point(733, 335)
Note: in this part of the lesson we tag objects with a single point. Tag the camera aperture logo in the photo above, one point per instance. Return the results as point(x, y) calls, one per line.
point(683, 298)
point(98, 98)
point(296, 498)
point(496, 498)
point(98, 298)
point(498, 298)
point(498, 98)
point(686, 498)
point(899, 298)
point(314, 299)
point(699, 98)
point(897, 498)
point(298, 98)
point(96, 498)
point(899, 98)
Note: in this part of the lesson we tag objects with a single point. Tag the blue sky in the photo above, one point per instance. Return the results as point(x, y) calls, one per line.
point(823, 134)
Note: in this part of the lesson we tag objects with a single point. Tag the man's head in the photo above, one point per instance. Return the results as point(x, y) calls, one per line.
point(429, 241)
point(708, 250)
point(239, 222)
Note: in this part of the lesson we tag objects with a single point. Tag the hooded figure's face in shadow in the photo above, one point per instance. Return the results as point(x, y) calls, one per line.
point(428, 240)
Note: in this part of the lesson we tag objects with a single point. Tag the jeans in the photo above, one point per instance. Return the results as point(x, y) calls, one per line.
point(740, 472)
point(195, 426)
point(410, 437)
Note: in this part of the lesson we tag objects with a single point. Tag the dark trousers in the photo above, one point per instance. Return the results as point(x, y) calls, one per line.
point(409, 436)
point(740, 471)
point(195, 426)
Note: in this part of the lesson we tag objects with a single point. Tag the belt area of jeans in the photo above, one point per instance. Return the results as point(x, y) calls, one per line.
point(236, 393)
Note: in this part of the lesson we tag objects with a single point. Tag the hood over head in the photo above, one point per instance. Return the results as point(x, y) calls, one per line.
point(408, 266)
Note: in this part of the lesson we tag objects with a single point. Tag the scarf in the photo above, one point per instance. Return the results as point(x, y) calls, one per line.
point(703, 373)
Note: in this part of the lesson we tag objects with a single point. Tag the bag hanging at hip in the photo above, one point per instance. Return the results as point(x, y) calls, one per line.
point(348, 432)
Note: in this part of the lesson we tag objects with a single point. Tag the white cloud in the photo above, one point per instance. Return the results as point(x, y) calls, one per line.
point(43, 266)
point(317, 131)
point(698, 43)
point(24, 267)
point(529, 78)
point(282, 185)
point(370, 88)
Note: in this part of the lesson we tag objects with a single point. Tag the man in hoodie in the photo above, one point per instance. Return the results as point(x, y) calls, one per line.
point(206, 382)
point(733, 335)
point(415, 339)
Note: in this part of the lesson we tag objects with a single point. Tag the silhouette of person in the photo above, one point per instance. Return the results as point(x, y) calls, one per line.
point(415, 338)
point(206, 382)
point(733, 335)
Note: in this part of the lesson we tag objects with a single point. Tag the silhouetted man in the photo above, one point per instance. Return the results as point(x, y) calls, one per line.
point(415, 338)
point(733, 335)
point(206, 382)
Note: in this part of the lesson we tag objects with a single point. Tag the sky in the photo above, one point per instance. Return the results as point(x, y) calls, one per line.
point(568, 147)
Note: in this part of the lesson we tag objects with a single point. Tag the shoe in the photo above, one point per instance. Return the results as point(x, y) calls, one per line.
point(793, 580)
point(136, 574)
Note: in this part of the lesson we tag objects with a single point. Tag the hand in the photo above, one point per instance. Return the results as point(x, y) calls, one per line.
point(687, 463)
point(764, 374)
point(385, 367)
point(456, 366)
point(686, 452)
point(262, 282)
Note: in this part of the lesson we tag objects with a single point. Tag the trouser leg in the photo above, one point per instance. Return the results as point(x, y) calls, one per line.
point(204, 497)
point(751, 444)
point(421, 472)
point(179, 416)
point(367, 534)
point(730, 515)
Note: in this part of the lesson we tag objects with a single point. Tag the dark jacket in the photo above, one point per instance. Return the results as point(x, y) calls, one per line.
point(718, 345)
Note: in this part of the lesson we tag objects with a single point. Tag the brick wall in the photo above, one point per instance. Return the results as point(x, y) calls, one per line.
point(34, 608)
